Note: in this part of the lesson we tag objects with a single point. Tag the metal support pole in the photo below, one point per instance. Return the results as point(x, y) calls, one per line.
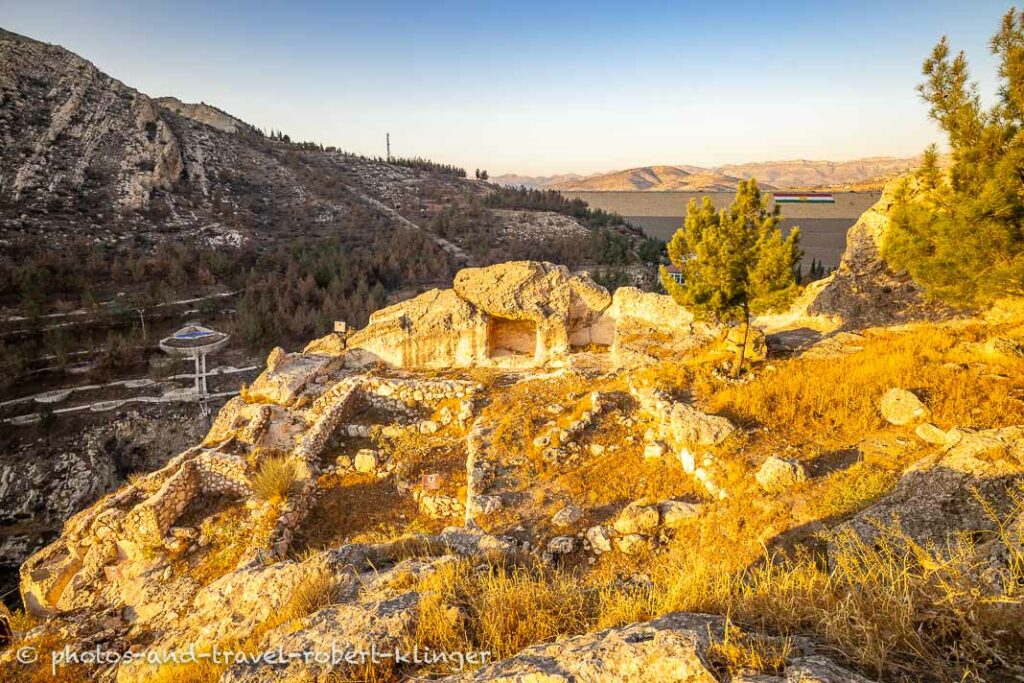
point(198, 391)
point(206, 391)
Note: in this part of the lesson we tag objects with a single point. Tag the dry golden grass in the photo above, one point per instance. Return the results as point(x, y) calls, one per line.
point(891, 608)
point(319, 590)
point(851, 490)
point(275, 477)
point(230, 533)
point(499, 609)
point(357, 508)
point(20, 621)
point(46, 644)
point(834, 401)
point(416, 454)
point(737, 652)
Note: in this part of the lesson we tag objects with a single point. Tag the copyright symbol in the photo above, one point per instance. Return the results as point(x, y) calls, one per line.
point(27, 655)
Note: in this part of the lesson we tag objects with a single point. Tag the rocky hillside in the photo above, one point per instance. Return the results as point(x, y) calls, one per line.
point(529, 477)
point(86, 156)
point(856, 175)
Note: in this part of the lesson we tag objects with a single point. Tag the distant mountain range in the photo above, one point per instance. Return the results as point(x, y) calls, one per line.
point(859, 174)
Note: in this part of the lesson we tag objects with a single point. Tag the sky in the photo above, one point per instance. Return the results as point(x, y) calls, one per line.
point(541, 88)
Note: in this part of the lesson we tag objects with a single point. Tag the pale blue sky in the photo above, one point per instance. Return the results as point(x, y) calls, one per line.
point(540, 88)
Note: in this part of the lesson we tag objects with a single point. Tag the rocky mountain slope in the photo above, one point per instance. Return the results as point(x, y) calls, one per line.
point(858, 174)
point(86, 156)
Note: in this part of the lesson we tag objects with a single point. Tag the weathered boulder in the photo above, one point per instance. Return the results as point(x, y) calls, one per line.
point(233, 606)
point(683, 424)
point(690, 426)
point(367, 460)
point(562, 545)
point(535, 309)
point(901, 407)
point(629, 544)
point(531, 290)
point(819, 670)
point(484, 505)
point(939, 494)
point(1004, 347)
point(756, 344)
point(651, 311)
point(654, 450)
point(435, 329)
point(675, 512)
point(276, 358)
point(599, 540)
point(332, 344)
point(778, 474)
point(672, 648)
point(286, 376)
point(336, 637)
point(864, 291)
point(567, 516)
point(646, 327)
point(929, 433)
point(637, 518)
point(814, 669)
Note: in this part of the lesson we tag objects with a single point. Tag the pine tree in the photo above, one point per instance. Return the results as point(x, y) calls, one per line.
point(735, 261)
point(961, 235)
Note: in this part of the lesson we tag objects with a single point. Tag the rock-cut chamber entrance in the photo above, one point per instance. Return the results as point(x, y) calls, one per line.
point(507, 337)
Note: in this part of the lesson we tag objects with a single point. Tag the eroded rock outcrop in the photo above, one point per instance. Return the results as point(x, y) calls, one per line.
point(675, 647)
point(864, 291)
point(960, 487)
point(88, 116)
point(520, 314)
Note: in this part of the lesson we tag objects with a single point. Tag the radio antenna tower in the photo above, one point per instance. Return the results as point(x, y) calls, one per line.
point(388, 137)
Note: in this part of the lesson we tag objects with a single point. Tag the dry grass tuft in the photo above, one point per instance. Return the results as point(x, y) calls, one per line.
point(499, 609)
point(229, 534)
point(851, 490)
point(737, 652)
point(275, 478)
point(320, 589)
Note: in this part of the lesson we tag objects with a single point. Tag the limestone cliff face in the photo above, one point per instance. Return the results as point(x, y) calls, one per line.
point(516, 314)
point(206, 114)
point(73, 134)
point(864, 291)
